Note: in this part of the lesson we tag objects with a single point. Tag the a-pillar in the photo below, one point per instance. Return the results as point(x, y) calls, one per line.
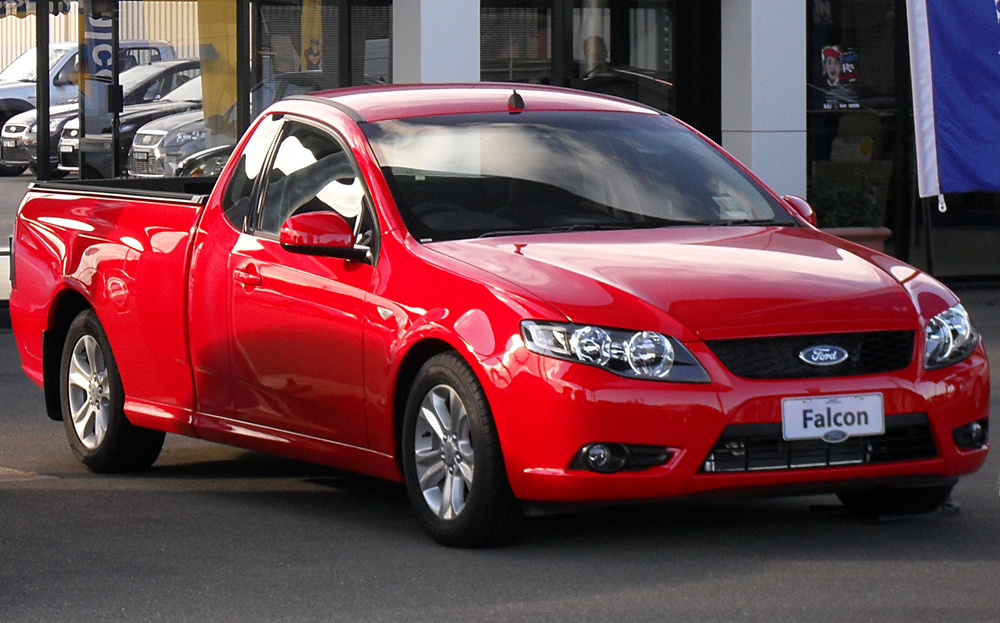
point(764, 89)
point(435, 41)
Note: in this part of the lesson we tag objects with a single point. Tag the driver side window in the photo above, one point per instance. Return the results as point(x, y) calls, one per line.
point(311, 172)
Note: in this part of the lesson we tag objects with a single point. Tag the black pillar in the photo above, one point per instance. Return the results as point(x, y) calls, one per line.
point(244, 78)
point(43, 169)
point(698, 65)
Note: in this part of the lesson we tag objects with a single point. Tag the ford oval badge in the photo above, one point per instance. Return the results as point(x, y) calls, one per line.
point(823, 355)
point(835, 436)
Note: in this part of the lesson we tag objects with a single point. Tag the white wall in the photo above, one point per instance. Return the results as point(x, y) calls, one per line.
point(764, 89)
point(435, 41)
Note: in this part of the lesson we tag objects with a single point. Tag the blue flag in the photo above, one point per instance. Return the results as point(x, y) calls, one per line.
point(955, 71)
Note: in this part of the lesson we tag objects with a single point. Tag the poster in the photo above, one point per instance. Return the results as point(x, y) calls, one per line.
point(840, 73)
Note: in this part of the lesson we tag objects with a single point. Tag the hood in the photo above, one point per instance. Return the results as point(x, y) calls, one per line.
point(154, 110)
point(175, 122)
point(16, 89)
point(700, 282)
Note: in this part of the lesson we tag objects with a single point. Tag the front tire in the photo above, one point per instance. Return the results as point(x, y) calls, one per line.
point(93, 402)
point(885, 502)
point(452, 462)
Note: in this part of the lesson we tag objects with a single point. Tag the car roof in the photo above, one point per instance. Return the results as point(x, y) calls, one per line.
point(382, 102)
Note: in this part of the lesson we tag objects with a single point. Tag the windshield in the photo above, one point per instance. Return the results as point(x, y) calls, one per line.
point(467, 176)
point(23, 68)
point(132, 79)
point(190, 91)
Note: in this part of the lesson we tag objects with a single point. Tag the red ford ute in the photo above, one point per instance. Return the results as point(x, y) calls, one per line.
point(511, 298)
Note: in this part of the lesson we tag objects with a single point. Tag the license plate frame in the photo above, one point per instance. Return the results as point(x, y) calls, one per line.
point(66, 149)
point(9, 143)
point(140, 155)
point(832, 418)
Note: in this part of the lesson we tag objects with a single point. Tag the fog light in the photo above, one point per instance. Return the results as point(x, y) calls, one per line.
point(605, 458)
point(972, 436)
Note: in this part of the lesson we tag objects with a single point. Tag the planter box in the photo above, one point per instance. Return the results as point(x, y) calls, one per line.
point(871, 237)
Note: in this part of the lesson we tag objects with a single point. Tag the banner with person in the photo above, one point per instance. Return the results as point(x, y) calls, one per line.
point(955, 71)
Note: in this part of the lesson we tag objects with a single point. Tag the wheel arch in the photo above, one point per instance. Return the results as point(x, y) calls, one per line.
point(65, 308)
point(414, 358)
point(10, 107)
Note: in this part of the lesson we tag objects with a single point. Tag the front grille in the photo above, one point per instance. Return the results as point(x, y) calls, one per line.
point(15, 155)
point(758, 447)
point(147, 166)
point(778, 357)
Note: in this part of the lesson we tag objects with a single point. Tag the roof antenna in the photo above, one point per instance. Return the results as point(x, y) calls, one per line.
point(515, 103)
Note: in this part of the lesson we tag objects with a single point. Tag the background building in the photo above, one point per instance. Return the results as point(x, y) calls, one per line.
point(813, 95)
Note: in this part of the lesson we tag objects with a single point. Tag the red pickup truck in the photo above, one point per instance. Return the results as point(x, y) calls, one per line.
point(507, 297)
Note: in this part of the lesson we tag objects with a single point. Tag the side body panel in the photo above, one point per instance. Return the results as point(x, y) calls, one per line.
point(128, 259)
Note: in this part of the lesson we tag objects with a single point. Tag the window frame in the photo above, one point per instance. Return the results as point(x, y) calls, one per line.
point(254, 215)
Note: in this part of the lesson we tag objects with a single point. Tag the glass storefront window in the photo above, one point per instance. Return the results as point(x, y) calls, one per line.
point(625, 49)
point(852, 111)
point(515, 42)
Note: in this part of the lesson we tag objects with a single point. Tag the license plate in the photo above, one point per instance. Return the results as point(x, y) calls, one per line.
point(9, 142)
point(832, 418)
point(66, 149)
point(140, 155)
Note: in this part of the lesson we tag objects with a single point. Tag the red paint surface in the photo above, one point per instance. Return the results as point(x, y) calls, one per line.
point(226, 336)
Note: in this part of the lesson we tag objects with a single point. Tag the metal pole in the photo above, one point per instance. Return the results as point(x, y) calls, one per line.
point(44, 145)
point(244, 78)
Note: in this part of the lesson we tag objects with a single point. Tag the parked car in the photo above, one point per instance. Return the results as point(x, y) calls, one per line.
point(17, 80)
point(506, 297)
point(183, 98)
point(161, 145)
point(142, 83)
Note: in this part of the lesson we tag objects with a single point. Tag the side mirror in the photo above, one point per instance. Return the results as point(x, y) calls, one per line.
point(63, 78)
point(321, 233)
point(802, 207)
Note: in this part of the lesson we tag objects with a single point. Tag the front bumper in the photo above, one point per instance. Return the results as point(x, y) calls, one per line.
point(548, 410)
point(69, 155)
point(14, 150)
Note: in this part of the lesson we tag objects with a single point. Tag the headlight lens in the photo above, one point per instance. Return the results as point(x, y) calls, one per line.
point(635, 354)
point(948, 338)
point(184, 137)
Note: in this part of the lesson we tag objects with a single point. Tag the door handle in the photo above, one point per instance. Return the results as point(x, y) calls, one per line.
point(247, 278)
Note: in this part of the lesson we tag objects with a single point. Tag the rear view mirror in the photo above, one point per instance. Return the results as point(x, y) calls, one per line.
point(802, 208)
point(321, 233)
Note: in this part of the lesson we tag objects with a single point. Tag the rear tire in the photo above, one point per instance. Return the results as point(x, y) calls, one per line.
point(12, 170)
point(887, 502)
point(452, 462)
point(93, 404)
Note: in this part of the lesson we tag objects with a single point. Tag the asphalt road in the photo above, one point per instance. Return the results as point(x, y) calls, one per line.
point(217, 534)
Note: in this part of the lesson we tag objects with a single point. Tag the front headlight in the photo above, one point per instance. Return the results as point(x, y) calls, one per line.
point(184, 137)
point(948, 338)
point(635, 354)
